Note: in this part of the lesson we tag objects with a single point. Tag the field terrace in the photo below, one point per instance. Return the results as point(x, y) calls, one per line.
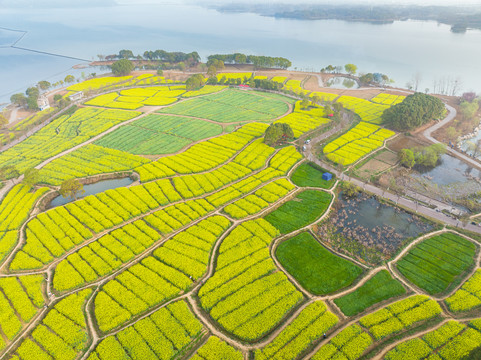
point(204, 257)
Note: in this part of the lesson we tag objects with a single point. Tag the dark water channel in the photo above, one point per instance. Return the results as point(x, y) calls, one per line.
point(450, 170)
point(92, 189)
point(374, 224)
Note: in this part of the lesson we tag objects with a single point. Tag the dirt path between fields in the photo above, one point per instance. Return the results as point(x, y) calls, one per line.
point(389, 347)
point(189, 296)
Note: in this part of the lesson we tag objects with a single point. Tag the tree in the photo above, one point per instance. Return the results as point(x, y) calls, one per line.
point(57, 97)
point(468, 109)
point(240, 59)
point(32, 92)
point(70, 188)
point(122, 67)
point(31, 176)
point(430, 157)
point(126, 54)
point(181, 66)
point(469, 96)
point(349, 189)
point(3, 121)
point(160, 72)
point(194, 82)
point(8, 172)
point(212, 80)
point(276, 132)
point(452, 134)
point(44, 85)
point(350, 69)
point(18, 99)
point(406, 157)
point(316, 99)
point(366, 79)
point(416, 110)
point(305, 104)
point(69, 79)
point(32, 103)
point(424, 156)
point(212, 71)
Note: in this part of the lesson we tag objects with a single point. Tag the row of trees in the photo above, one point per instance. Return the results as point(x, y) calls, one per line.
point(422, 156)
point(416, 110)
point(257, 61)
point(161, 55)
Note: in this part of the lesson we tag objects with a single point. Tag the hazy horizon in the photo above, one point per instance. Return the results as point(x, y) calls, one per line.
point(89, 3)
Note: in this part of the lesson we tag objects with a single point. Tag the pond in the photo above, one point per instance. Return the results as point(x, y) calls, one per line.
point(92, 189)
point(341, 82)
point(449, 170)
point(466, 145)
point(370, 230)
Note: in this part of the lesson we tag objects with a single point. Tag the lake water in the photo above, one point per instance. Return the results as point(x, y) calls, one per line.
point(399, 50)
point(92, 189)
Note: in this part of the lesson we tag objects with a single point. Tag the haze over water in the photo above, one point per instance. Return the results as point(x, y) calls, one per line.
point(399, 50)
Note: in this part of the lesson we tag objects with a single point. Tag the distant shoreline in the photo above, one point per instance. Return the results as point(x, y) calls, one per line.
point(460, 18)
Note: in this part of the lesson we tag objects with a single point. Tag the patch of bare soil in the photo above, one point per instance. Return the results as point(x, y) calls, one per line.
point(388, 157)
point(405, 142)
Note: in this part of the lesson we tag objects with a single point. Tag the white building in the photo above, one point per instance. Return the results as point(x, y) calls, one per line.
point(42, 102)
point(77, 96)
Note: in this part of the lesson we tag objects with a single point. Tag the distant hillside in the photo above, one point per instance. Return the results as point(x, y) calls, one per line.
point(459, 18)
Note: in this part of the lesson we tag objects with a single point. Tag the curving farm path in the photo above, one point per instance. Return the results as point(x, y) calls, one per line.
point(210, 325)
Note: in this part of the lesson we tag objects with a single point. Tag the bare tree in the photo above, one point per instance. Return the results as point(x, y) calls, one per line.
point(457, 85)
point(416, 80)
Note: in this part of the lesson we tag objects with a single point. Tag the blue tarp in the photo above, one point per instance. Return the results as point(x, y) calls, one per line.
point(327, 176)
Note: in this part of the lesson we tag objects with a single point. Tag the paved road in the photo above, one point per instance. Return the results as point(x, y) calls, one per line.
point(451, 116)
point(13, 114)
point(397, 199)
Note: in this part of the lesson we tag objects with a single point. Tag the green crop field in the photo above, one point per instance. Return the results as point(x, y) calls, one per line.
point(453, 340)
point(310, 175)
point(230, 106)
point(213, 248)
point(378, 288)
point(159, 134)
point(317, 269)
point(437, 262)
point(292, 215)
